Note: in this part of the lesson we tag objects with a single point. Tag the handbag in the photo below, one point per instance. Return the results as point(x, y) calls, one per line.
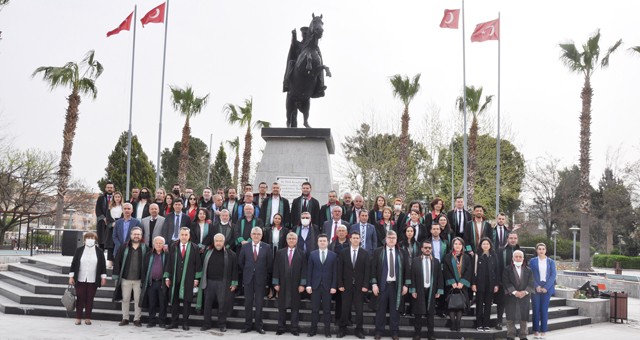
point(456, 300)
point(69, 298)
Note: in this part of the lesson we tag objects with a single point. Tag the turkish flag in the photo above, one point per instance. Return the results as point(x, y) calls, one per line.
point(489, 30)
point(124, 26)
point(155, 15)
point(450, 18)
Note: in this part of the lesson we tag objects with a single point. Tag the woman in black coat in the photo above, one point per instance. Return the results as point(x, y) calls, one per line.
point(412, 248)
point(457, 272)
point(485, 282)
point(88, 272)
point(276, 237)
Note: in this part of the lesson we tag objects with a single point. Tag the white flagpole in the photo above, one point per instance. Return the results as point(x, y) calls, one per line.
point(498, 138)
point(164, 60)
point(210, 154)
point(464, 106)
point(133, 58)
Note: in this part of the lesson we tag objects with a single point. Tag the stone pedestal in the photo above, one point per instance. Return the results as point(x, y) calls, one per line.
point(292, 155)
point(596, 309)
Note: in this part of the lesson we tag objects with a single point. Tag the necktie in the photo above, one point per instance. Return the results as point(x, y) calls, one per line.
point(255, 253)
point(322, 257)
point(304, 206)
point(184, 250)
point(478, 230)
point(392, 265)
point(500, 236)
point(335, 226)
point(363, 231)
point(353, 259)
point(108, 199)
point(176, 227)
point(427, 273)
point(290, 256)
point(460, 220)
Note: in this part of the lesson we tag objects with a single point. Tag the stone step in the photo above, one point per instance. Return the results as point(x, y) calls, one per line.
point(45, 275)
point(36, 286)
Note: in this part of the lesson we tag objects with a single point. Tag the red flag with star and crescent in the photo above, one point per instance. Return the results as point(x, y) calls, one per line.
point(489, 30)
point(155, 15)
point(450, 18)
point(124, 26)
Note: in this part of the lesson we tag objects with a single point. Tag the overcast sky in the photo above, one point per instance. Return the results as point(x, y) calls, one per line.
point(237, 49)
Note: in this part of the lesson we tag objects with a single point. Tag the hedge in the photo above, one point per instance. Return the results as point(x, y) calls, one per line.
point(609, 261)
point(564, 247)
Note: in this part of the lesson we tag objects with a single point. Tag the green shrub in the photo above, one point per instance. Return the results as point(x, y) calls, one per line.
point(609, 261)
point(564, 247)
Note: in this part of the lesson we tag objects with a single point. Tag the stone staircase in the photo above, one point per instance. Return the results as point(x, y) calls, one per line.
point(34, 287)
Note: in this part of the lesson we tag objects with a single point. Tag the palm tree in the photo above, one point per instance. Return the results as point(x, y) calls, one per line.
point(406, 90)
point(476, 107)
point(636, 48)
point(243, 116)
point(235, 146)
point(81, 79)
point(189, 105)
point(585, 62)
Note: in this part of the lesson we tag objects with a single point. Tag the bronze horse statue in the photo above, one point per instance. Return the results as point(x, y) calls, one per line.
point(304, 77)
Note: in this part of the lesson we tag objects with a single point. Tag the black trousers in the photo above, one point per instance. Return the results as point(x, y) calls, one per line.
point(175, 307)
point(352, 298)
point(253, 292)
point(387, 298)
point(282, 317)
point(484, 299)
point(157, 298)
point(321, 297)
point(498, 298)
point(210, 296)
point(418, 320)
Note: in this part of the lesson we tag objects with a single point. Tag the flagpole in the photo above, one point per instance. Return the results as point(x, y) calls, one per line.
point(498, 139)
point(452, 186)
point(464, 107)
point(164, 60)
point(133, 58)
point(210, 153)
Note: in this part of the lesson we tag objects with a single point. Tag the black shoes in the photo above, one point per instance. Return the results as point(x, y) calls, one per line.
point(499, 325)
point(185, 327)
point(296, 333)
point(223, 329)
point(172, 326)
point(137, 323)
point(279, 332)
point(260, 331)
point(359, 335)
point(245, 330)
point(205, 328)
point(327, 334)
point(123, 322)
point(341, 333)
point(312, 333)
point(151, 325)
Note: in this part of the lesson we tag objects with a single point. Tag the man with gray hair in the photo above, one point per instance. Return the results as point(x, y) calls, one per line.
point(307, 234)
point(517, 280)
point(152, 224)
point(331, 224)
point(255, 259)
point(154, 293)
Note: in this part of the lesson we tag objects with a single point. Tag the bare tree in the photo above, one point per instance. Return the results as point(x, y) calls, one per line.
point(541, 181)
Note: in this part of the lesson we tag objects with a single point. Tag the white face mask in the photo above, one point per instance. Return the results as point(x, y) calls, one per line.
point(397, 207)
point(517, 264)
point(90, 242)
point(305, 221)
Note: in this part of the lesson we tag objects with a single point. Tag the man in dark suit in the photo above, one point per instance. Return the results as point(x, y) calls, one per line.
point(475, 230)
point(123, 226)
point(322, 270)
point(174, 221)
point(368, 235)
point(353, 283)
point(505, 258)
point(248, 200)
point(389, 267)
point(245, 225)
point(256, 263)
point(427, 285)
point(154, 292)
point(353, 214)
point(307, 234)
point(500, 232)
point(458, 217)
point(289, 280)
point(102, 208)
point(305, 203)
point(262, 194)
point(330, 225)
point(231, 204)
point(342, 240)
point(326, 210)
point(517, 280)
point(275, 204)
point(223, 227)
point(182, 273)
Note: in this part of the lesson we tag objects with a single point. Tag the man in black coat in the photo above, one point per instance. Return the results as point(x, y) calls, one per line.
point(353, 283)
point(244, 227)
point(224, 227)
point(517, 280)
point(102, 211)
point(475, 230)
point(389, 267)
point(231, 204)
point(330, 225)
point(307, 234)
point(427, 285)
point(182, 273)
point(255, 259)
point(219, 282)
point(275, 204)
point(326, 211)
point(289, 280)
point(305, 203)
point(458, 217)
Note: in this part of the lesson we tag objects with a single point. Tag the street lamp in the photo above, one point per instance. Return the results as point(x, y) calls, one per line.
point(575, 230)
point(70, 211)
point(554, 234)
point(620, 241)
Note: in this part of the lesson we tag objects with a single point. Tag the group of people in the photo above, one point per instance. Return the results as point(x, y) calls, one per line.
point(211, 248)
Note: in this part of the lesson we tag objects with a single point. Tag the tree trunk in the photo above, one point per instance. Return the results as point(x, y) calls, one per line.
point(585, 168)
point(403, 155)
point(68, 135)
point(246, 157)
point(183, 163)
point(471, 171)
point(609, 245)
point(236, 166)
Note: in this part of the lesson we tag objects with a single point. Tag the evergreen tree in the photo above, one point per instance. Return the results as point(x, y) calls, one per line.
point(220, 173)
point(198, 165)
point(143, 172)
